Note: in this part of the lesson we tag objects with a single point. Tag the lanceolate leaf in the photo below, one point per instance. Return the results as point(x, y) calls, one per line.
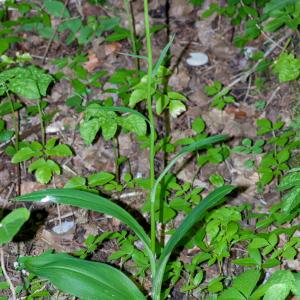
point(93, 202)
point(11, 224)
point(162, 56)
point(202, 143)
point(81, 278)
point(190, 148)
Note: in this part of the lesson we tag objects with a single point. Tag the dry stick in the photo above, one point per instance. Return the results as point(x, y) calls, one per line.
point(54, 33)
point(262, 30)
point(244, 77)
point(131, 20)
point(272, 97)
point(11, 286)
point(15, 117)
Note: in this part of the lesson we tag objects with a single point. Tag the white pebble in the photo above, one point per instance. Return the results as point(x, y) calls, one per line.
point(197, 59)
point(64, 227)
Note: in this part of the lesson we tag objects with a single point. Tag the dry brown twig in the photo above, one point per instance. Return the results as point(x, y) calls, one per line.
point(54, 33)
point(246, 74)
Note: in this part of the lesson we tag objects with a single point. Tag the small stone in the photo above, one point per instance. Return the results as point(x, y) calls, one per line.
point(64, 227)
point(197, 59)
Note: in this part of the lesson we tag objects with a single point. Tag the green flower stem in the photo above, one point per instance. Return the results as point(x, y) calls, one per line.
point(16, 128)
point(116, 157)
point(151, 119)
point(7, 278)
point(15, 120)
point(130, 19)
point(43, 131)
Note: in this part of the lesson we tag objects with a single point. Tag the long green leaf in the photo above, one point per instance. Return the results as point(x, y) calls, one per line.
point(12, 223)
point(198, 145)
point(214, 198)
point(162, 56)
point(93, 202)
point(133, 55)
point(81, 278)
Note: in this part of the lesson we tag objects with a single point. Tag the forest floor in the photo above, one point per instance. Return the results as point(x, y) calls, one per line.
point(212, 36)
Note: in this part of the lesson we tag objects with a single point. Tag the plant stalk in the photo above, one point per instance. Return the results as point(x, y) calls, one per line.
point(130, 18)
point(151, 119)
point(16, 128)
point(11, 286)
point(43, 131)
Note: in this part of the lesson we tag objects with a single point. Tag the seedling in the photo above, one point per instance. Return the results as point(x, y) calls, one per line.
point(220, 95)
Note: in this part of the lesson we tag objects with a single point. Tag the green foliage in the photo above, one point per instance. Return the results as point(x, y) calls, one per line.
point(81, 278)
point(170, 199)
point(82, 81)
point(222, 231)
point(5, 134)
point(170, 99)
point(74, 197)
point(92, 243)
point(275, 162)
point(71, 28)
point(196, 2)
point(12, 223)
point(35, 287)
point(30, 82)
point(287, 67)
point(261, 17)
point(280, 284)
point(241, 12)
point(43, 168)
point(128, 251)
point(242, 286)
point(290, 183)
point(213, 155)
point(249, 147)
point(221, 97)
point(104, 180)
point(95, 118)
point(282, 13)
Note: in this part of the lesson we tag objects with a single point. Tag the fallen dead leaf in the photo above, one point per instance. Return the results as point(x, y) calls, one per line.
point(93, 61)
point(31, 186)
point(236, 111)
point(112, 48)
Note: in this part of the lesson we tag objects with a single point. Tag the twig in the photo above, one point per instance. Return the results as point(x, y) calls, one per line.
point(272, 96)
point(131, 20)
point(248, 89)
point(262, 30)
point(244, 76)
point(7, 278)
point(54, 33)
